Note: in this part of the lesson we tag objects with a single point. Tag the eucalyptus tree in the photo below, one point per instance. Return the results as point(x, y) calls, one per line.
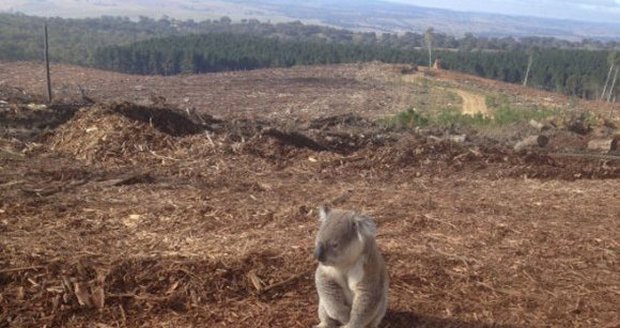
point(611, 60)
point(428, 40)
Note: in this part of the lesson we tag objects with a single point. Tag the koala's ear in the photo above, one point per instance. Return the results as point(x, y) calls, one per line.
point(365, 225)
point(323, 212)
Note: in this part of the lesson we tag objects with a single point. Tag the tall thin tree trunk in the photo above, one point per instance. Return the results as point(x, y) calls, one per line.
point(47, 66)
point(527, 72)
point(430, 57)
point(611, 68)
point(613, 85)
point(428, 40)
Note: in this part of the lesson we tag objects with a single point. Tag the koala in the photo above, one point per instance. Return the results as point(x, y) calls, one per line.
point(351, 278)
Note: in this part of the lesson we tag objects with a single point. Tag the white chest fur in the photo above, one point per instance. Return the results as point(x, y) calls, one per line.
point(347, 278)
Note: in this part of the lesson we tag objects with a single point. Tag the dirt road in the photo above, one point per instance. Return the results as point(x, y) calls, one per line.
point(472, 103)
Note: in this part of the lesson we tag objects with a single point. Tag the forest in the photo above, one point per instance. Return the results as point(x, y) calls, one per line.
point(573, 72)
point(75, 40)
point(167, 46)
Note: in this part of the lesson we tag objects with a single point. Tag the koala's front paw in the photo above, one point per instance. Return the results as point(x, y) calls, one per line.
point(323, 325)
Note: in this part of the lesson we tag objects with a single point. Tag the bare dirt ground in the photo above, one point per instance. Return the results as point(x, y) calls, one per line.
point(267, 93)
point(120, 215)
point(473, 103)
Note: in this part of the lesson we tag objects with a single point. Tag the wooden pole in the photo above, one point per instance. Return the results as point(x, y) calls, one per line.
point(47, 66)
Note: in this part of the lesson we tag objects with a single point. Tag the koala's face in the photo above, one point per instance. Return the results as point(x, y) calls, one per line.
point(338, 242)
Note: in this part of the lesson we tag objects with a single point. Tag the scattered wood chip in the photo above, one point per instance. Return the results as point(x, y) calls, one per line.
point(80, 289)
point(98, 297)
point(256, 282)
point(20, 293)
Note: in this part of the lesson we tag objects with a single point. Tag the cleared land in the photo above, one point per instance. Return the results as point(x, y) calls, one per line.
point(122, 215)
point(473, 103)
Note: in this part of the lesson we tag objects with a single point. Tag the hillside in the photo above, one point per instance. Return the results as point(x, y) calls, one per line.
point(274, 92)
point(581, 73)
point(377, 16)
point(169, 46)
point(190, 200)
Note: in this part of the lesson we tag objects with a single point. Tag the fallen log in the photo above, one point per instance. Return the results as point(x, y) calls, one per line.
point(540, 126)
point(536, 125)
point(532, 141)
point(456, 138)
point(603, 145)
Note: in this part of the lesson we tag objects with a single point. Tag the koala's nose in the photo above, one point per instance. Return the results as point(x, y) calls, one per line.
point(319, 253)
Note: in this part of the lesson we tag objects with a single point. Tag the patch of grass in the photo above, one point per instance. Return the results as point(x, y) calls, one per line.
point(453, 98)
point(446, 117)
point(496, 101)
point(505, 113)
point(591, 118)
point(426, 86)
point(454, 117)
point(503, 116)
point(410, 118)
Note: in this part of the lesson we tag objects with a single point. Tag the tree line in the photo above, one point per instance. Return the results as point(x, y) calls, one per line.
point(580, 73)
point(573, 72)
point(75, 40)
point(225, 52)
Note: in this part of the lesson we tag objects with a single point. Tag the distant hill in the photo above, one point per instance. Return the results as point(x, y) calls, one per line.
point(370, 15)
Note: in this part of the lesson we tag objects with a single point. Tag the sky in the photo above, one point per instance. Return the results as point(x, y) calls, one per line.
point(589, 10)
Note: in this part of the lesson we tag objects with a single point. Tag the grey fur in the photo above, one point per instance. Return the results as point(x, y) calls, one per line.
point(351, 279)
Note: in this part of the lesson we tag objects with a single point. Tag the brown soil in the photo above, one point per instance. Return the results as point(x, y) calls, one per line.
point(473, 103)
point(267, 93)
point(123, 215)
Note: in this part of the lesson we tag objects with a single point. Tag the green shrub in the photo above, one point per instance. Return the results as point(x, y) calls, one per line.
point(410, 118)
point(451, 117)
point(505, 113)
point(508, 115)
point(496, 101)
point(502, 116)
